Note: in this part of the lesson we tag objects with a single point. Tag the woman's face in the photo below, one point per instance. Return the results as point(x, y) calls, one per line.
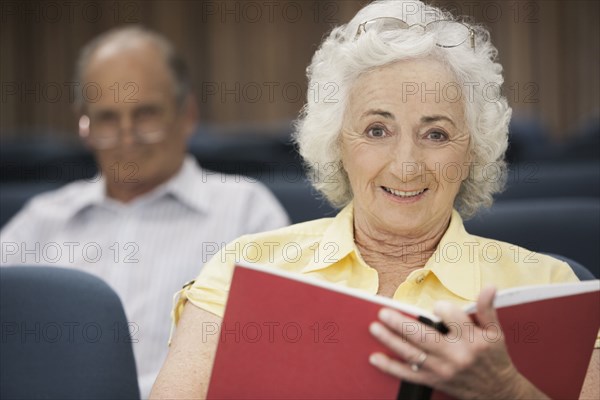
point(405, 146)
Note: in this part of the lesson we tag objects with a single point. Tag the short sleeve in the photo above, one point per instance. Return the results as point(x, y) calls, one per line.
point(563, 273)
point(210, 289)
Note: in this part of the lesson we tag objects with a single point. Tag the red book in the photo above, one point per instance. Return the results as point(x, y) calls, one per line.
point(286, 336)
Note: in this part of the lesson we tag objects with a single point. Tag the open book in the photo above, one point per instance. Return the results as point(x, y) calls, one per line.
point(285, 336)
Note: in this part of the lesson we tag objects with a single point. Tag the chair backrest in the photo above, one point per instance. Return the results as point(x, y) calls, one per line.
point(570, 227)
point(300, 200)
point(64, 336)
point(544, 180)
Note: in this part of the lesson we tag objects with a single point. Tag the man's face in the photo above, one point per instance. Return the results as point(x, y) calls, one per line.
point(134, 105)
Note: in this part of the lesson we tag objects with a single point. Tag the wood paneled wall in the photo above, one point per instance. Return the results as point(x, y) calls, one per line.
point(248, 58)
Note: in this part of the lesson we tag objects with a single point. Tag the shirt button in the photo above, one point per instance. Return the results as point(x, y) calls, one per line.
point(420, 278)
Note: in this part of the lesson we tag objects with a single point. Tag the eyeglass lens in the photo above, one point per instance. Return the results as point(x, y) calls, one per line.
point(449, 33)
point(104, 132)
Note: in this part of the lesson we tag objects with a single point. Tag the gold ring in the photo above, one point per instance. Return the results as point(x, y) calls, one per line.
point(416, 366)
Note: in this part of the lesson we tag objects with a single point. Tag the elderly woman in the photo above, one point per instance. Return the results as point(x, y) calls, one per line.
point(408, 136)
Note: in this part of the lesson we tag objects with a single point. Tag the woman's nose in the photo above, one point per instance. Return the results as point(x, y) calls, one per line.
point(406, 159)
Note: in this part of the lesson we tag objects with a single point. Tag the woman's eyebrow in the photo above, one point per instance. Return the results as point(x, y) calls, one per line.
point(428, 119)
point(383, 113)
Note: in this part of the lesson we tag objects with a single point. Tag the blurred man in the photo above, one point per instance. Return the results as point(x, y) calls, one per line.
point(153, 217)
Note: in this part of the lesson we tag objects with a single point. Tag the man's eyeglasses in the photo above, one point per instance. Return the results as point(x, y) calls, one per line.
point(450, 33)
point(106, 134)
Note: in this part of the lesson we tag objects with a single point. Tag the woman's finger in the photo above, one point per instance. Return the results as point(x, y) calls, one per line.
point(404, 350)
point(398, 369)
point(410, 332)
point(486, 313)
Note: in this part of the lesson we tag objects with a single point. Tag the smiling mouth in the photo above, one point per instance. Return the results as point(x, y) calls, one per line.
point(403, 194)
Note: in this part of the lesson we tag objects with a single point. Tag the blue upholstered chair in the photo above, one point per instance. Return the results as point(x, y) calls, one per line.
point(552, 180)
point(64, 336)
point(569, 227)
point(300, 200)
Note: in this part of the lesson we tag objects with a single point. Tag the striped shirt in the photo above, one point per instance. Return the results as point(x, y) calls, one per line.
point(145, 249)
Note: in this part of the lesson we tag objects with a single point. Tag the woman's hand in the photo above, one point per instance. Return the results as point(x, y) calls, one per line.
point(471, 361)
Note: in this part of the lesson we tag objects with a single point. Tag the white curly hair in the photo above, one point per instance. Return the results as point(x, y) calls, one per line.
point(344, 55)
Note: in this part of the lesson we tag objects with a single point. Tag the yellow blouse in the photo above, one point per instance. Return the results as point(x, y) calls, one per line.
point(459, 268)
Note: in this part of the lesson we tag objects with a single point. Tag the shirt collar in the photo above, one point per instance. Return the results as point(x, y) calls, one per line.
point(339, 237)
point(189, 186)
point(186, 186)
point(455, 261)
point(92, 192)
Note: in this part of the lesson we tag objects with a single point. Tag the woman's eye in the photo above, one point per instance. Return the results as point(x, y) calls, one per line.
point(437, 136)
point(376, 132)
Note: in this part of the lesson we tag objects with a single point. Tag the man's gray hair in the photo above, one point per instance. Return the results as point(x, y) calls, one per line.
point(174, 62)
